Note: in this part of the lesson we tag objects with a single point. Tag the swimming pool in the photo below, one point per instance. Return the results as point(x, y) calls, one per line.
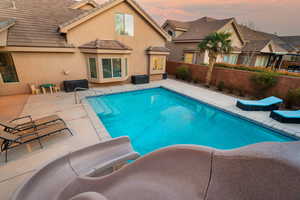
point(156, 118)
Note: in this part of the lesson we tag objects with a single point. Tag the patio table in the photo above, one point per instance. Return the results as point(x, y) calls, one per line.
point(47, 86)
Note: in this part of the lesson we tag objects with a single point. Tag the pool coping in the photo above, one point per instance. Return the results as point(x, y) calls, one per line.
point(104, 134)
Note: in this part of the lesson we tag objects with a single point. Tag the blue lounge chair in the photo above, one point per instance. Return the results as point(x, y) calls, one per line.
point(286, 116)
point(267, 104)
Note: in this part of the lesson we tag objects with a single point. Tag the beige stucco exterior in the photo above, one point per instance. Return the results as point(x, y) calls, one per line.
point(3, 38)
point(39, 67)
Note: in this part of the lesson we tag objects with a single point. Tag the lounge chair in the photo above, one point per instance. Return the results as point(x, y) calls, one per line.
point(11, 141)
point(286, 116)
point(30, 123)
point(267, 104)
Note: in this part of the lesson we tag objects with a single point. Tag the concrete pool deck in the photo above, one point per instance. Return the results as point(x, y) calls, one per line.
point(89, 130)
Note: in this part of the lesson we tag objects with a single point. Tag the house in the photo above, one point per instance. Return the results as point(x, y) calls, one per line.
point(295, 41)
point(280, 49)
point(52, 41)
point(187, 35)
point(250, 47)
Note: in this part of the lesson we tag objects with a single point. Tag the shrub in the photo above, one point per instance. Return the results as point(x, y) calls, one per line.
point(262, 82)
point(221, 86)
point(196, 80)
point(230, 89)
point(292, 98)
point(184, 73)
point(241, 92)
point(256, 69)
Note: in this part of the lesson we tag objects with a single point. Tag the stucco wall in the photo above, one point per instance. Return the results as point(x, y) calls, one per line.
point(236, 42)
point(42, 68)
point(103, 27)
point(177, 50)
point(39, 68)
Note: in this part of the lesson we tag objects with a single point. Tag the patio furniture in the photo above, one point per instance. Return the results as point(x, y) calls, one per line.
point(267, 104)
point(12, 125)
point(34, 90)
point(140, 79)
point(89, 161)
point(49, 86)
point(69, 86)
point(260, 171)
point(286, 116)
point(56, 89)
point(11, 141)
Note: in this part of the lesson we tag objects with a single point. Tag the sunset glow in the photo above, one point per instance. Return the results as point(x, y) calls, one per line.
point(267, 15)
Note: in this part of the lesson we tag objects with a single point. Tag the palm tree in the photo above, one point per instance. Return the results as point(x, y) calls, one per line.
point(216, 44)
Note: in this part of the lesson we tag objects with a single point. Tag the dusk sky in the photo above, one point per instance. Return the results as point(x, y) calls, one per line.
point(281, 16)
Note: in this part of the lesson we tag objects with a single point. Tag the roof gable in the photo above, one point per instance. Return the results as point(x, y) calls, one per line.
point(200, 28)
point(83, 3)
point(65, 27)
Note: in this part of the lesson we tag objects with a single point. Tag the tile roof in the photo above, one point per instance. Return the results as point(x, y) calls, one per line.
point(253, 35)
point(256, 40)
point(87, 12)
point(37, 22)
point(178, 24)
point(200, 28)
point(255, 45)
point(158, 49)
point(105, 44)
point(294, 40)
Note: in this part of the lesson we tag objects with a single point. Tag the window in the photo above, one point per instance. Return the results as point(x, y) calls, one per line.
point(7, 68)
point(189, 58)
point(230, 58)
point(112, 67)
point(93, 68)
point(261, 61)
point(124, 24)
point(158, 63)
point(293, 58)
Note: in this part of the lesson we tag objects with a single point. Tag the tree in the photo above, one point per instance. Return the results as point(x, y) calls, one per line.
point(216, 44)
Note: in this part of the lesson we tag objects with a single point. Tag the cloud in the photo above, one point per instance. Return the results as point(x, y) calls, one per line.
point(268, 15)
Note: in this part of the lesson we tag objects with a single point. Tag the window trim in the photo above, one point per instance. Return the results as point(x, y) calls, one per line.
point(124, 24)
point(89, 69)
point(193, 57)
point(112, 67)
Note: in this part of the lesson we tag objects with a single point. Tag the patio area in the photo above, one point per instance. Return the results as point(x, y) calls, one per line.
point(88, 130)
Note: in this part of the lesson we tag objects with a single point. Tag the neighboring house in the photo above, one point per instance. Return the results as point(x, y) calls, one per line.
point(187, 35)
point(250, 47)
point(295, 41)
point(257, 44)
point(57, 40)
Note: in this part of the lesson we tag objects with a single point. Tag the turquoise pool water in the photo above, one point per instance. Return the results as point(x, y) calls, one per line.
point(156, 118)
